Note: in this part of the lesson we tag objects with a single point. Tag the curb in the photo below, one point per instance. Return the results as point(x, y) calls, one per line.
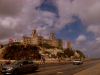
point(42, 63)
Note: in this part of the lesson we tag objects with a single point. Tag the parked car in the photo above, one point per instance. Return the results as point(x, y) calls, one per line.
point(20, 66)
point(77, 61)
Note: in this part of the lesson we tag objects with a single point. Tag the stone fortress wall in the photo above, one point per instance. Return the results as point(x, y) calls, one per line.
point(36, 40)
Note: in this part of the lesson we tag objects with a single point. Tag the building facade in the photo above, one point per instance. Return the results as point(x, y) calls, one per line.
point(68, 44)
point(36, 40)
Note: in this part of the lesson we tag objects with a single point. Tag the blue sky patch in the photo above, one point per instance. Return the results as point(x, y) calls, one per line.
point(48, 5)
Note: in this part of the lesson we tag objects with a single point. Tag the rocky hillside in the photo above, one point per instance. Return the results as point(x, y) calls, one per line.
point(52, 54)
point(18, 51)
point(1, 50)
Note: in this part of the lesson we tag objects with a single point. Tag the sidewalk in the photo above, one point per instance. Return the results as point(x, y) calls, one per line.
point(47, 61)
point(95, 70)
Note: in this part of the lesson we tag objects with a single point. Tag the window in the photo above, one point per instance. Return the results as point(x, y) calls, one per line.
point(15, 62)
point(25, 63)
point(30, 62)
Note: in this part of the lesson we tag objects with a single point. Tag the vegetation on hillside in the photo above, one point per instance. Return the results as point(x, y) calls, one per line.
point(13, 43)
point(46, 52)
point(18, 52)
point(69, 52)
point(61, 55)
point(80, 53)
point(53, 56)
point(47, 46)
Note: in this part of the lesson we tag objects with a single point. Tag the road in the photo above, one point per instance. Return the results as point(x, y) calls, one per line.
point(63, 68)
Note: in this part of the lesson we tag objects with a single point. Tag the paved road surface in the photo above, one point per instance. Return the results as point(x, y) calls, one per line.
point(63, 68)
point(68, 69)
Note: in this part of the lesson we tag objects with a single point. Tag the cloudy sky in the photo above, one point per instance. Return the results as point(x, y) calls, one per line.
point(75, 20)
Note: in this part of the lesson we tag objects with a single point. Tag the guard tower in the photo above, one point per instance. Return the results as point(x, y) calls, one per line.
point(52, 36)
point(33, 33)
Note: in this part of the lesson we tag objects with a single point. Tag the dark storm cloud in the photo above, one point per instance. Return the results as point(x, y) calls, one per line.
point(10, 7)
point(16, 17)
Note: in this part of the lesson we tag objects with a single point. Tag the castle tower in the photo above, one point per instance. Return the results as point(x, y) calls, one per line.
point(33, 33)
point(51, 36)
point(68, 44)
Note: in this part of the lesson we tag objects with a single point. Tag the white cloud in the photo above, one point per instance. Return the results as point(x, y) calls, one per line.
point(77, 46)
point(94, 29)
point(49, 21)
point(20, 17)
point(77, 42)
point(70, 30)
point(98, 39)
point(48, 14)
point(86, 11)
point(9, 23)
point(22, 14)
point(90, 48)
point(4, 41)
point(16, 17)
point(11, 7)
point(62, 22)
point(43, 30)
point(81, 38)
point(46, 37)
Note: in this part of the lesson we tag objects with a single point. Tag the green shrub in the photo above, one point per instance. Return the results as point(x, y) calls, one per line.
point(69, 52)
point(46, 52)
point(53, 56)
point(80, 53)
point(17, 52)
point(61, 55)
point(46, 46)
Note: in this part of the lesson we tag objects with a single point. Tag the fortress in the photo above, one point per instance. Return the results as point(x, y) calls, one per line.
point(36, 40)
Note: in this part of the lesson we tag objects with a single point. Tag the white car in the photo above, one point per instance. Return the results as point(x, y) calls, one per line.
point(77, 61)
